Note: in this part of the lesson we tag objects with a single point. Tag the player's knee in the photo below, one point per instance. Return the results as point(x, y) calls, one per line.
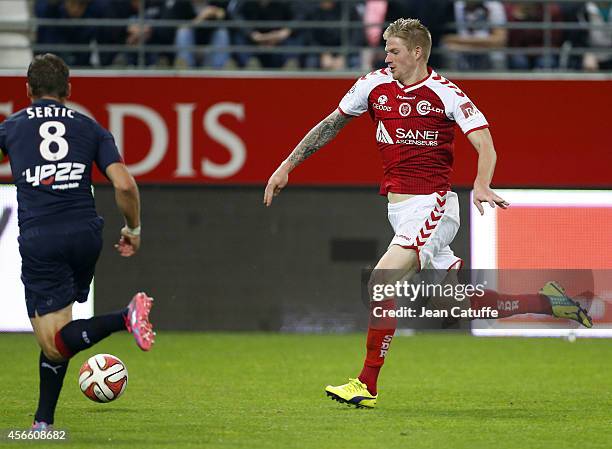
point(398, 261)
point(52, 353)
point(376, 285)
point(380, 286)
point(48, 347)
point(411, 261)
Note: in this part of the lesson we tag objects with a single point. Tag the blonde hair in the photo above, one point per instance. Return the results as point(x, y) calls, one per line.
point(413, 32)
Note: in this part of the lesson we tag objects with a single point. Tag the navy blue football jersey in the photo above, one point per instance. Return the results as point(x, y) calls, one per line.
point(51, 150)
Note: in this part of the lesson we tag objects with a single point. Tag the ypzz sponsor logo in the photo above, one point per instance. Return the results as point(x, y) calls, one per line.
point(417, 137)
point(469, 110)
point(48, 174)
point(405, 109)
point(424, 107)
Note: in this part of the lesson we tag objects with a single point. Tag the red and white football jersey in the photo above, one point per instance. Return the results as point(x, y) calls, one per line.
point(414, 127)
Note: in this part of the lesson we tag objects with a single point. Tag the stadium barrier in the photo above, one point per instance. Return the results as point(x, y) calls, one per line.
point(195, 129)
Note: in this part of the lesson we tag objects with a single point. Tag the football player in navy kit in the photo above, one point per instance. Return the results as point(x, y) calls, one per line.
point(52, 150)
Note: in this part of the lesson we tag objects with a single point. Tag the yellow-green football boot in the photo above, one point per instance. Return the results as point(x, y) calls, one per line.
point(354, 393)
point(563, 306)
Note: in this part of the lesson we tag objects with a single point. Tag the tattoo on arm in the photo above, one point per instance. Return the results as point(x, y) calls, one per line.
point(318, 137)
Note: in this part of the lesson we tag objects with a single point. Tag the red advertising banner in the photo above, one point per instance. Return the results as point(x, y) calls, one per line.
point(213, 130)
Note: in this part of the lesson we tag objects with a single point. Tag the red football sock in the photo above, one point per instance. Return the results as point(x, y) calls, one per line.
point(380, 334)
point(508, 305)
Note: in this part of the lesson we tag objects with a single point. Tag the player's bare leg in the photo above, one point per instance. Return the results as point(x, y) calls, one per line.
point(60, 338)
point(550, 300)
point(52, 364)
point(446, 303)
point(397, 264)
point(46, 327)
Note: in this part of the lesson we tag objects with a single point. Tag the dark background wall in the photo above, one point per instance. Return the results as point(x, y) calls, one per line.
point(216, 258)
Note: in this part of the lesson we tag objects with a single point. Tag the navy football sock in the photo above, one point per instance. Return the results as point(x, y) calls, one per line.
point(51, 381)
point(82, 334)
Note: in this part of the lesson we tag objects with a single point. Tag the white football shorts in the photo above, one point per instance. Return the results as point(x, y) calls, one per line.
point(428, 224)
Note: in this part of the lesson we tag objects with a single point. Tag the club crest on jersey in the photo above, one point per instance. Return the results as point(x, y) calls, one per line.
point(405, 109)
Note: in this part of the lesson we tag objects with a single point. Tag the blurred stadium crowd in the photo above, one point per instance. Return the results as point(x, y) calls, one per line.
point(307, 34)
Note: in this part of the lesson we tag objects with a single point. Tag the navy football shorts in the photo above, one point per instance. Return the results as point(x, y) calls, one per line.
point(58, 263)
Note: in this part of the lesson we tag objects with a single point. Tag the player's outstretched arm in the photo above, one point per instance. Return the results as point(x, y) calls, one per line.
point(127, 198)
point(316, 138)
point(483, 143)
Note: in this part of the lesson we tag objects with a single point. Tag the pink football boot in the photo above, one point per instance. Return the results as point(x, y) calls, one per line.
point(137, 321)
point(41, 426)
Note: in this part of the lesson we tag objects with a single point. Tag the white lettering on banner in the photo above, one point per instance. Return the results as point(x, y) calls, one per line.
point(156, 124)
point(6, 109)
point(228, 139)
point(184, 115)
point(117, 112)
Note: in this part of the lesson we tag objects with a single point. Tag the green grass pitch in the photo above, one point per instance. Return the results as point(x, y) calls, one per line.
point(256, 391)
